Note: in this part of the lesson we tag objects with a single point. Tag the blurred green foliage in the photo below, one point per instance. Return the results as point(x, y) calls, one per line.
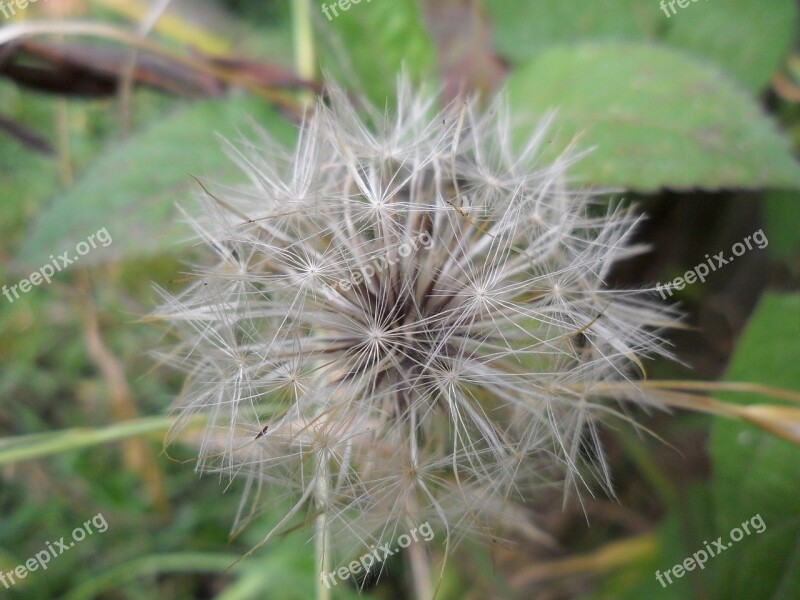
point(676, 103)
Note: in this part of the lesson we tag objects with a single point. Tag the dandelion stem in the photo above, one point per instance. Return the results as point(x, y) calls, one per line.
point(303, 39)
point(322, 542)
point(420, 572)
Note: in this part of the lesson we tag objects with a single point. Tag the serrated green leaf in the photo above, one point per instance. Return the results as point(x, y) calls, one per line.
point(133, 189)
point(658, 119)
point(745, 37)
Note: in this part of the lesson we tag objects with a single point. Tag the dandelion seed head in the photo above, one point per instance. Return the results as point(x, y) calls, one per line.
point(408, 319)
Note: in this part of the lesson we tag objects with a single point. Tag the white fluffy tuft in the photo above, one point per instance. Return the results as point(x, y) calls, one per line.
point(458, 374)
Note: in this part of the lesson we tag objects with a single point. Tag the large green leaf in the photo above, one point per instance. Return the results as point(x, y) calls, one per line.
point(658, 119)
point(746, 37)
point(782, 222)
point(755, 473)
point(373, 41)
point(133, 189)
point(524, 29)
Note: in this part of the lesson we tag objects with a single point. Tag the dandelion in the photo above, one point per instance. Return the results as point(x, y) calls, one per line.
point(462, 375)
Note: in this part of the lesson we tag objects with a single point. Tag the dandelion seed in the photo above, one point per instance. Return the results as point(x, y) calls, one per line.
point(459, 376)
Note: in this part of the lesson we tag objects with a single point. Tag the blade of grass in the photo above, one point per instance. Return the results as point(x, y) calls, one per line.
point(170, 26)
point(27, 447)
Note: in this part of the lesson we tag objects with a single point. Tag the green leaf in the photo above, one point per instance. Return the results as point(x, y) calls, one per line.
point(375, 41)
point(755, 473)
point(748, 38)
point(658, 119)
point(782, 222)
point(524, 29)
point(133, 189)
point(27, 179)
point(714, 30)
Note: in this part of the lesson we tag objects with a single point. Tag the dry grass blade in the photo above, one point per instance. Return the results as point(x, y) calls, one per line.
point(78, 69)
point(196, 64)
point(782, 421)
point(606, 558)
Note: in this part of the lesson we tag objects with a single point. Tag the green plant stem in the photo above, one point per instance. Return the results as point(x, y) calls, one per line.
point(26, 447)
point(322, 541)
point(303, 39)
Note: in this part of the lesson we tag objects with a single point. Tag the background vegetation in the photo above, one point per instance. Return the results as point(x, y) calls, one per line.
point(695, 117)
